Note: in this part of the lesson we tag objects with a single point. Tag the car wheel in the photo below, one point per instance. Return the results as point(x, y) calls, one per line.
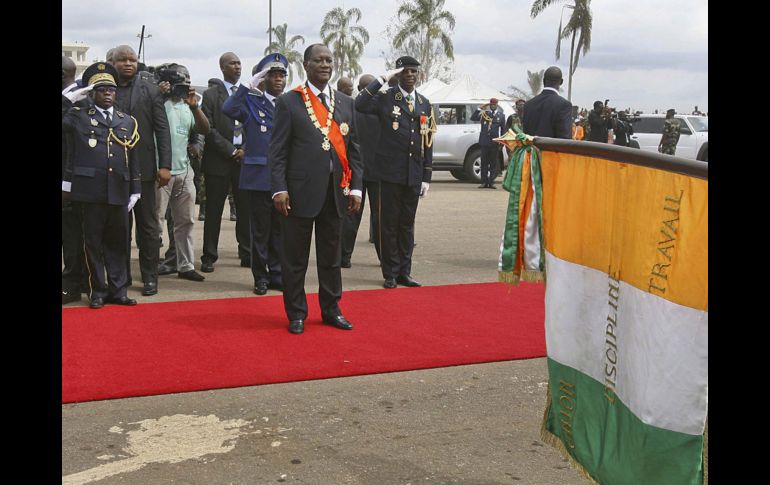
point(458, 173)
point(472, 165)
point(634, 144)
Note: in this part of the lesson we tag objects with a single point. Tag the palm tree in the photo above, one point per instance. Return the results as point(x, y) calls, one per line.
point(580, 22)
point(426, 23)
point(535, 81)
point(281, 46)
point(346, 40)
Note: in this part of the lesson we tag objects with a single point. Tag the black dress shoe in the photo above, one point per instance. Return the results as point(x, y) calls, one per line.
point(164, 270)
point(345, 263)
point(275, 285)
point(492, 186)
point(482, 186)
point(390, 283)
point(338, 321)
point(297, 326)
point(245, 264)
point(96, 303)
point(207, 267)
point(260, 288)
point(191, 275)
point(122, 300)
point(69, 297)
point(406, 280)
point(150, 288)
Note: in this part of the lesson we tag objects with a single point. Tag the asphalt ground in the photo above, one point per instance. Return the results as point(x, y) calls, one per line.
point(474, 424)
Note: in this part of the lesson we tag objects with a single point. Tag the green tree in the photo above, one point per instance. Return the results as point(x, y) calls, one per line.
point(346, 40)
point(578, 27)
point(281, 46)
point(425, 26)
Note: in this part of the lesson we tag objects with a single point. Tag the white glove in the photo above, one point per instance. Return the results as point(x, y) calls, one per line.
point(132, 201)
point(258, 78)
point(78, 94)
point(388, 75)
point(424, 189)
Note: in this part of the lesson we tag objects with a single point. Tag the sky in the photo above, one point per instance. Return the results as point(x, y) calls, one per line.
point(645, 54)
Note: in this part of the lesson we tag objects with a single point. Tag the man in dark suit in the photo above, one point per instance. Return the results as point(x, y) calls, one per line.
point(221, 165)
point(102, 174)
point(492, 121)
point(74, 275)
point(368, 132)
point(404, 158)
point(144, 101)
point(253, 107)
point(548, 114)
point(316, 176)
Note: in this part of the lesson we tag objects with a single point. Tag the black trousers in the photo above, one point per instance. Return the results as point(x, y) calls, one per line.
point(105, 230)
point(296, 233)
point(398, 209)
point(489, 163)
point(147, 234)
point(265, 230)
point(217, 188)
point(74, 276)
point(351, 222)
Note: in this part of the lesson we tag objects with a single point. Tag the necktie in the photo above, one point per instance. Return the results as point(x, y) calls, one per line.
point(233, 89)
point(322, 97)
point(107, 117)
point(410, 102)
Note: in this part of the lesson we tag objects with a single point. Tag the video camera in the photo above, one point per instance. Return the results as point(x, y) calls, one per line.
point(177, 76)
point(612, 114)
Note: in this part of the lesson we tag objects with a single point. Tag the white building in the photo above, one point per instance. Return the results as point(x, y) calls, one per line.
point(77, 52)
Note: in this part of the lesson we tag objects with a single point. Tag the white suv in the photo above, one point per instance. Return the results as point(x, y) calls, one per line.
point(693, 140)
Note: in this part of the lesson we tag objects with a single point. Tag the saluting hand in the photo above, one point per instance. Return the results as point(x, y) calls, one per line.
point(257, 79)
point(389, 75)
point(79, 94)
point(281, 203)
point(354, 204)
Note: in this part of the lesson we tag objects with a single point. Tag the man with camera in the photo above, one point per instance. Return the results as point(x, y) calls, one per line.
point(599, 123)
point(184, 118)
point(622, 129)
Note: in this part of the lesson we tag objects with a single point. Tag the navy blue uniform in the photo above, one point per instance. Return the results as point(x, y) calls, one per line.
point(403, 162)
point(492, 126)
point(256, 114)
point(103, 174)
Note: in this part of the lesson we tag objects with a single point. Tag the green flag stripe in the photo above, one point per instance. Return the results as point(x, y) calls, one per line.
point(613, 445)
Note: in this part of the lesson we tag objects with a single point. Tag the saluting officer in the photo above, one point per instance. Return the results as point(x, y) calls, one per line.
point(405, 158)
point(492, 122)
point(253, 105)
point(102, 173)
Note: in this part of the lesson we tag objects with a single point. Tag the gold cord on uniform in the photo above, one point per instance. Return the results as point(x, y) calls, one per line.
point(427, 129)
point(126, 143)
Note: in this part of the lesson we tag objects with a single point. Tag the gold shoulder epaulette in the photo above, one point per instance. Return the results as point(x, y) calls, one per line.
point(121, 115)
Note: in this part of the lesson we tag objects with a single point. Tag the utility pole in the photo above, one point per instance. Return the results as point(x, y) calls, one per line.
point(141, 43)
point(270, 20)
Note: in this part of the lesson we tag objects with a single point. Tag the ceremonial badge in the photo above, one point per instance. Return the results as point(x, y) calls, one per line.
point(326, 145)
point(94, 122)
point(344, 129)
point(395, 125)
point(261, 114)
point(399, 96)
point(92, 142)
point(263, 128)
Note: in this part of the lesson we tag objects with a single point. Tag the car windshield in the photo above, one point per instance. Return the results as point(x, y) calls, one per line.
point(700, 124)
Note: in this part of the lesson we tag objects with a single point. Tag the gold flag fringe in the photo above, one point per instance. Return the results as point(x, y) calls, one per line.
point(508, 277)
point(532, 275)
point(553, 440)
point(526, 275)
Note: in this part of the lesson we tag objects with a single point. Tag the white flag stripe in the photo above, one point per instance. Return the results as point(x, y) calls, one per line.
point(662, 347)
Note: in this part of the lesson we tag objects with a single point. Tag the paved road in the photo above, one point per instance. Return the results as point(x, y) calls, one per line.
point(474, 425)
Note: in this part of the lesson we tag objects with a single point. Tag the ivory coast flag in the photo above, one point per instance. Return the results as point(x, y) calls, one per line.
point(626, 312)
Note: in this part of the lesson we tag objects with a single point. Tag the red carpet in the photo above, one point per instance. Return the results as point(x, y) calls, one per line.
point(160, 348)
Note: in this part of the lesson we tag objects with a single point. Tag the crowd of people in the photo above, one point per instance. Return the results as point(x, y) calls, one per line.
point(138, 149)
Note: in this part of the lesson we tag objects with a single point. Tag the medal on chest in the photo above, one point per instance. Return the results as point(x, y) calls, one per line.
point(263, 128)
point(326, 145)
point(396, 114)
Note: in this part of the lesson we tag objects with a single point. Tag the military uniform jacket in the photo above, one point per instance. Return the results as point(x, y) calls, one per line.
point(671, 132)
point(96, 164)
point(401, 157)
point(492, 130)
point(256, 114)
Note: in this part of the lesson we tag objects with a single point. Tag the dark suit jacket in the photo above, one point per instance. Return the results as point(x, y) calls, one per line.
point(368, 137)
point(399, 157)
point(488, 133)
point(217, 157)
point(145, 104)
point(95, 164)
point(548, 114)
point(297, 162)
